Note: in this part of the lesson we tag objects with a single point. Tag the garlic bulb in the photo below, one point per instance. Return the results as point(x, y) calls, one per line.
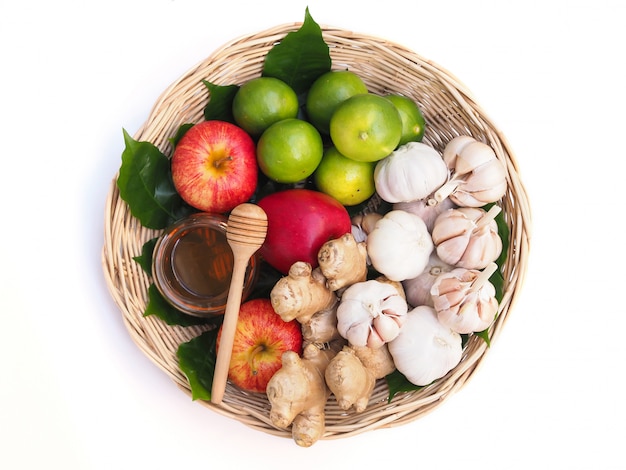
point(417, 290)
point(467, 237)
point(400, 245)
point(425, 350)
point(477, 176)
point(464, 299)
point(426, 211)
point(370, 313)
point(413, 171)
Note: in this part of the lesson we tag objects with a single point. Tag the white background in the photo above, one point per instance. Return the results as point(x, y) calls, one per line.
point(76, 393)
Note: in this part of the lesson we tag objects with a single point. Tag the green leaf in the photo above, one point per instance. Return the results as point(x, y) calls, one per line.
point(398, 383)
point(485, 336)
point(220, 105)
point(160, 308)
point(496, 278)
point(300, 58)
point(145, 184)
point(145, 259)
point(182, 130)
point(196, 359)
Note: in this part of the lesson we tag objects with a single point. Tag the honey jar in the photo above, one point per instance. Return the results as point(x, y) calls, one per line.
point(192, 265)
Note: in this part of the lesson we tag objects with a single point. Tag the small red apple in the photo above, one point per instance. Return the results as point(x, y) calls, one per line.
point(299, 222)
point(214, 166)
point(261, 338)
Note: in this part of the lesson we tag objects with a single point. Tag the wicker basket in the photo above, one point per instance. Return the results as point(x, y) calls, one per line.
point(385, 67)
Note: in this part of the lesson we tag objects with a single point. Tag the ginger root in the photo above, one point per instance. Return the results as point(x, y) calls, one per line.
point(349, 380)
point(322, 327)
point(302, 293)
point(343, 261)
point(377, 360)
point(297, 393)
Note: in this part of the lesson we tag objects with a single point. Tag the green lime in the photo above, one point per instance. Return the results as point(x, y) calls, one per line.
point(327, 92)
point(413, 122)
point(366, 127)
point(261, 102)
point(349, 181)
point(289, 150)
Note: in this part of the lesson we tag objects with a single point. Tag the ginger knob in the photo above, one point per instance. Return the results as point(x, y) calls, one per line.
point(301, 294)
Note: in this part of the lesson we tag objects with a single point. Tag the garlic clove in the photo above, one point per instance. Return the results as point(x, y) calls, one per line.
point(454, 147)
point(482, 197)
point(450, 300)
point(451, 251)
point(481, 251)
point(485, 176)
point(368, 222)
point(476, 314)
point(374, 340)
point(487, 184)
point(356, 333)
point(451, 224)
point(473, 155)
point(386, 327)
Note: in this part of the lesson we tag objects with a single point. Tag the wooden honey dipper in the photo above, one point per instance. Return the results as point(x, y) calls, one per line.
point(245, 232)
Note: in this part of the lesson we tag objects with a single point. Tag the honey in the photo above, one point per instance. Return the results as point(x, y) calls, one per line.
point(202, 262)
point(193, 263)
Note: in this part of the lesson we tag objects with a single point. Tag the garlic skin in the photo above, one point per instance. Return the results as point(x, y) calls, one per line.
point(465, 300)
point(370, 313)
point(417, 290)
point(363, 224)
point(467, 237)
point(425, 350)
point(477, 176)
point(400, 245)
point(413, 171)
point(426, 211)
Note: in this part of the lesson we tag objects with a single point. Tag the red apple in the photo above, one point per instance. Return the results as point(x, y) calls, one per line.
point(261, 338)
point(299, 222)
point(214, 166)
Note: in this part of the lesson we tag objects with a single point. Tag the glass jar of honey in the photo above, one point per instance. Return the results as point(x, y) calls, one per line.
point(192, 265)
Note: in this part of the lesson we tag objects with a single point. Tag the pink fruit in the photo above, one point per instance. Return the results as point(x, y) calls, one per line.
point(214, 166)
point(299, 222)
point(261, 338)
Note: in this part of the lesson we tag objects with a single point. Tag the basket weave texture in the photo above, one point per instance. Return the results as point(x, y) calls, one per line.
point(385, 67)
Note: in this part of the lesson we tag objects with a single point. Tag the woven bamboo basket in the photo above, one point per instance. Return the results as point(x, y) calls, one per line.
point(449, 110)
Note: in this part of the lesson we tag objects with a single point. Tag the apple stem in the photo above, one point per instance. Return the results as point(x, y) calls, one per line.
point(252, 358)
point(218, 163)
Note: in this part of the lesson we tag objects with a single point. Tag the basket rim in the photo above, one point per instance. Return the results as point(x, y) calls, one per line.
point(127, 284)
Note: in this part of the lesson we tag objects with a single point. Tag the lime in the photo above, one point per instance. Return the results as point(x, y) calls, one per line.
point(366, 127)
point(413, 122)
point(327, 92)
point(261, 102)
point(289, 150)
point(349, 181)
